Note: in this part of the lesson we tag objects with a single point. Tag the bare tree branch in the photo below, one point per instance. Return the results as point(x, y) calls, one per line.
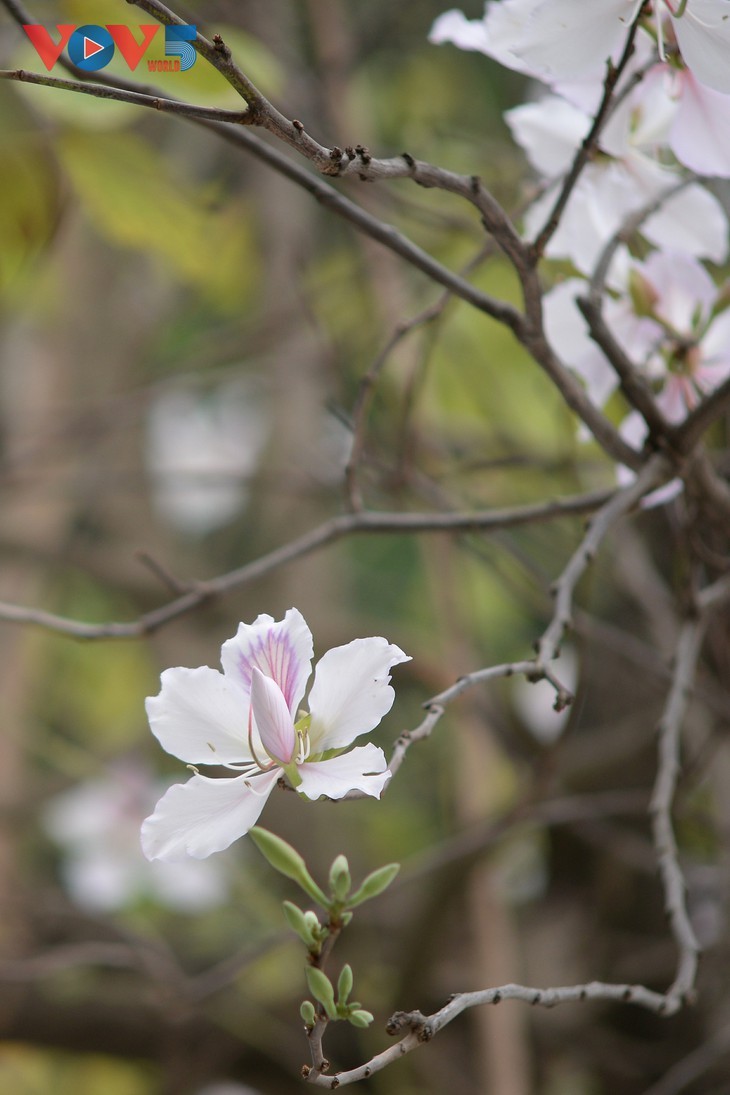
point(328, 532)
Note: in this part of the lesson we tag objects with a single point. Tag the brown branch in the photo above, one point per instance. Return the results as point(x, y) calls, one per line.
point(653, 474)
point(124, 95)
point(669, 730)
point(685, 436)
point(588, 145)
point(328, 532)
point(358, 161)
point(423, 1028)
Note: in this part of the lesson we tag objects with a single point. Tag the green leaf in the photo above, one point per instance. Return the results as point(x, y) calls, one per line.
point(321, 989)
point(284, 859)
point(374, 884)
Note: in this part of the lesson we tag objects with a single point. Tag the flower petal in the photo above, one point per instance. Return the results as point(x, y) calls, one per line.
point(281, 650)
point(703, 35)
point(351, 692)
point(700, 134)
point(273, 720)
point(200, 716)
point(204, 815)
point(363, 769)
point(566, 40)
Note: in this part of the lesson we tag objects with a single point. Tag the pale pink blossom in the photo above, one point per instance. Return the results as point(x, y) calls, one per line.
point(247, 719)
point(614, 186)
point(560, 40)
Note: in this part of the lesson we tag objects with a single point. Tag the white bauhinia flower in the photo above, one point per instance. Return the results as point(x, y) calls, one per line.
point(616, 184)
point(247, 719)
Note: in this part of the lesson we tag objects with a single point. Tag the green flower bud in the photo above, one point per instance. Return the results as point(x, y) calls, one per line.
point(284, 859)
point(308, 1013)
point(361, 1018)
point(340, 880)
point(321, 989)
point(299, 923)
point(374, 884)
point(344, 985)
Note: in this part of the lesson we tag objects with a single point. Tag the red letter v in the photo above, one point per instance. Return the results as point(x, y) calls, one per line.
point(124, 40)
point(45, 47)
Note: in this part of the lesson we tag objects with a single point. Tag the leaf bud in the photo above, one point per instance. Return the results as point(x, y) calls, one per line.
point(361, 1018)
point(308, 1013)
point(340, 880)
point(321, 989)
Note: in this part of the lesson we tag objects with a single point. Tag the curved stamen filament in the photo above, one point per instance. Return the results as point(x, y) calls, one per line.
point(303, 747)
point(259, 764)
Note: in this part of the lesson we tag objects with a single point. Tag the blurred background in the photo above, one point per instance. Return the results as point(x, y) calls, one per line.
point(183, 340)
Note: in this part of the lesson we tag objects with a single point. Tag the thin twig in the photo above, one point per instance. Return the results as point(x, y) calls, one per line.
point(423, 1028)
point(327, 533)
point(588, 145)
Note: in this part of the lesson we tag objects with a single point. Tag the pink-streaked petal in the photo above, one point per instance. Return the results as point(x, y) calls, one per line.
point(272, 717)
point(685, 292)
point(281, 650)
point(700, 133)
point(204, 815)
point(362, 769)
point(703, 35)
point(200, 716)
point(351, 691)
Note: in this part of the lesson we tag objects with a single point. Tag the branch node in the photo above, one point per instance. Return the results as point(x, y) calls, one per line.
point(336, 154)
point(220, 46)
point(299, 126)
point(305, 1070)
point(350, 152)
point(497, 998)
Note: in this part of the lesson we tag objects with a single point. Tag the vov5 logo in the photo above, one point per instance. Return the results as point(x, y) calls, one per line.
point(91, 47)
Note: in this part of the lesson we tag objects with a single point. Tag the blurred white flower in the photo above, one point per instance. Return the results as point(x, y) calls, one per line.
point(569, 40)
point(535, 703)
point(96, 824)
point(202, 447)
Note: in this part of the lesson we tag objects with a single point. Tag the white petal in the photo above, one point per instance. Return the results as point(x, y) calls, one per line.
point(700, 133)
point(454, 27)
point(363, 769)
point(567, 39)
point(692, 221)
point(272, 717)
point(200, 716)
point(281, 650)
point(703, 35)
point(351, 692)
point(204, 815)
point(496, 35)
point(549, 132)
